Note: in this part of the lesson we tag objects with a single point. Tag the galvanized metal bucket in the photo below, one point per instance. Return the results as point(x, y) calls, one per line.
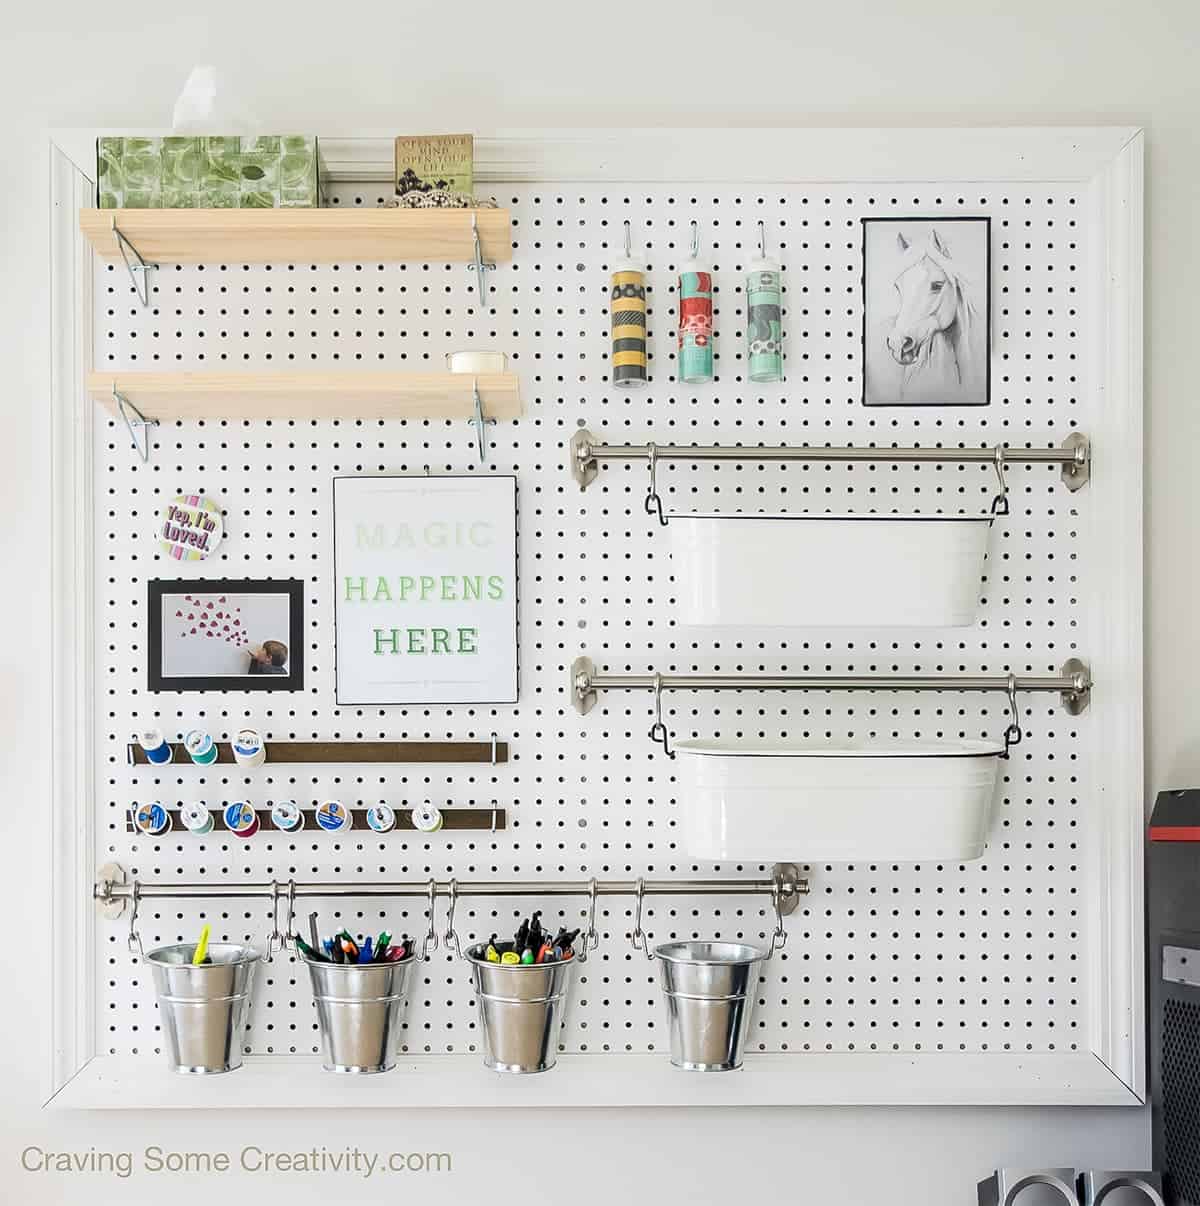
point(203, 1009)
point(358, 1011)
point(522, 1005)
point(709, 988)
point(521, 1010)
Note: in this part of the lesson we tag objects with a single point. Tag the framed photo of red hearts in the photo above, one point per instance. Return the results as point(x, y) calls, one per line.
point(230, 634)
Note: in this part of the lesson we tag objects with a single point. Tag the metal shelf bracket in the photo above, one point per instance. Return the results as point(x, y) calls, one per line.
point(135, 264)
point(480, 265)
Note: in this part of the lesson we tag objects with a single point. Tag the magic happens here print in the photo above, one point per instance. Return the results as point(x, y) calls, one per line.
point(425, 590)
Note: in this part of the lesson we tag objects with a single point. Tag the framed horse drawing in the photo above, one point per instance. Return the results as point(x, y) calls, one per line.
point(926, 311)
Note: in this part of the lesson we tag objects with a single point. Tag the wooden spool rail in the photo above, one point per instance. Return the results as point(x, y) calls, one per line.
point(478, 820)
point(279, 752)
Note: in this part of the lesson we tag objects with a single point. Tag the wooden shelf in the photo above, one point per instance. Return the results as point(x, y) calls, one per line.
point(351, 394)
point(300, 236)
point(340, 751)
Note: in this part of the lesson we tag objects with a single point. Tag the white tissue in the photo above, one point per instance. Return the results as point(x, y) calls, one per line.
point(208, 105)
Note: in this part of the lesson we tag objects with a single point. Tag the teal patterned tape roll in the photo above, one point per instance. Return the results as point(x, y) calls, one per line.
point(695, 325)
point(764, 324)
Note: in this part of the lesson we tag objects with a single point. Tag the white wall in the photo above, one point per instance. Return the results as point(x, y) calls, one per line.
point(423, 66)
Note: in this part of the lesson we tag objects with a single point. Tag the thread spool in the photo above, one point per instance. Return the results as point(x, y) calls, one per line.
point(201, 748)
point(152, 819)
point(241, 820)
point(427, 818)
point(286, 815)
point(158, 752)
point(333, 816)
point(381, 818)
point(249, 749)
point(695, 328)
point(764, 316)
point(627, 308)
point(196, 819)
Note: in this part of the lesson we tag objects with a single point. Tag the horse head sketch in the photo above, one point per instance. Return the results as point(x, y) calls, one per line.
point(936, 333)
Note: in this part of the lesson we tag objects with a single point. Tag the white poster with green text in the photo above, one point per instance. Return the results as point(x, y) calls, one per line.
point(425, 589)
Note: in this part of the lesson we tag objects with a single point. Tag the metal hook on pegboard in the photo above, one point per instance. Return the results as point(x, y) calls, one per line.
point(658, 730)
point(138, 267)
point(1000, 502)
point(653, 501)
point(139, 420)
point(480, 265)
point(1012, 734)
point(480, 421)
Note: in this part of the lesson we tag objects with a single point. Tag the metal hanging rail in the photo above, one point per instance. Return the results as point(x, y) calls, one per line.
point(1075, 456)
point(1073, 683)
point(113, 890)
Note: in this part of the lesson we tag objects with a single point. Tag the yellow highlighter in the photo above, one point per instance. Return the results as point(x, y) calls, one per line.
point(201, 955)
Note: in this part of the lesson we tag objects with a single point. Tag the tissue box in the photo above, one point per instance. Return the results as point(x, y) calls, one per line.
point(212, 172)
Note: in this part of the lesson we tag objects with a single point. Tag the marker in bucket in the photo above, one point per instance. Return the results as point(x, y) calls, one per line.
point(382, 818)
point(286, 815)
point(249, 749)
point(427, 818)
point(158, 752)
point(241, 820)
point(152, 819)
point(201, 748)
point(196, 819)
point(333, 816)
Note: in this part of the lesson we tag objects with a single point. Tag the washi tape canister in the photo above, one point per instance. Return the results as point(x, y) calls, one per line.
point(427, 818)
point(158, 752)
point(286, 815)
point(241, 820)
point(381, 818)
point(764, 321)
point(196, 819)
point(627, 307)
point(333, 816)
point(249, 749)
point(201, 748)
point(695, 337)
point(190, 527)
point(152, 819)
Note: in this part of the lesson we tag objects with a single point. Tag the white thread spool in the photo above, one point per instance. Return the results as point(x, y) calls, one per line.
point(196, 819)
point(286, 815)
point(151, 819)
point(333, 816)
point(427, 818)
point(382, 818)
point(249, 749)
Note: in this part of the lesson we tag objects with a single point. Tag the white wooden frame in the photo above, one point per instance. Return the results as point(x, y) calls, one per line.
point(1109, 162)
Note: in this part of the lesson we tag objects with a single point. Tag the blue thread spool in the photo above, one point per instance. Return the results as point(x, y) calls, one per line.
point(152, 819)
point(381, 818)
point(200, 747)
point(158, 752)
point(241, 820)
point(333, 816)
point(286, 815)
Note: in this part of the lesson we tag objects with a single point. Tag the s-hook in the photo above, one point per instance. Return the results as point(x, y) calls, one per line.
point(591, 936)
point(134, 939)
point(137, 267)
point(658, 730)
point(653, 502)
point(139, 420)
point(1000, 502)
point(638, 937)
point(480, 265)
point(479, 421)
point(431, 939)
point(1012, 734)
point(695, 239)
point(451, 937)
point(779, 937)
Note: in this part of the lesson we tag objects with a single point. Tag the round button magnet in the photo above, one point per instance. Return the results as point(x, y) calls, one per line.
point(286, 815)
point(381, 818)
point(241, 820)
point(152, 819)
point(333, 816)
point(190, 527)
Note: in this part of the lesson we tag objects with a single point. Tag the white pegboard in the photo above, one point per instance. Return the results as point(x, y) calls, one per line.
point(984, 956)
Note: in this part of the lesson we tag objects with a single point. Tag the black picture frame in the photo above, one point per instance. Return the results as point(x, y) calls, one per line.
point(160, 589)
point(940, 220)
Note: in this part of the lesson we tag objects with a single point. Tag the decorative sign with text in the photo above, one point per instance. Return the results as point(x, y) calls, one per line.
point(190, 527)
point(425, 589)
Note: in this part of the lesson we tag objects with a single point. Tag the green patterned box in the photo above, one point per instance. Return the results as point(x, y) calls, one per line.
point(271, 171)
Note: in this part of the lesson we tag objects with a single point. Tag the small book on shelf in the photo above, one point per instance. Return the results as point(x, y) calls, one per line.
point(437, 162)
